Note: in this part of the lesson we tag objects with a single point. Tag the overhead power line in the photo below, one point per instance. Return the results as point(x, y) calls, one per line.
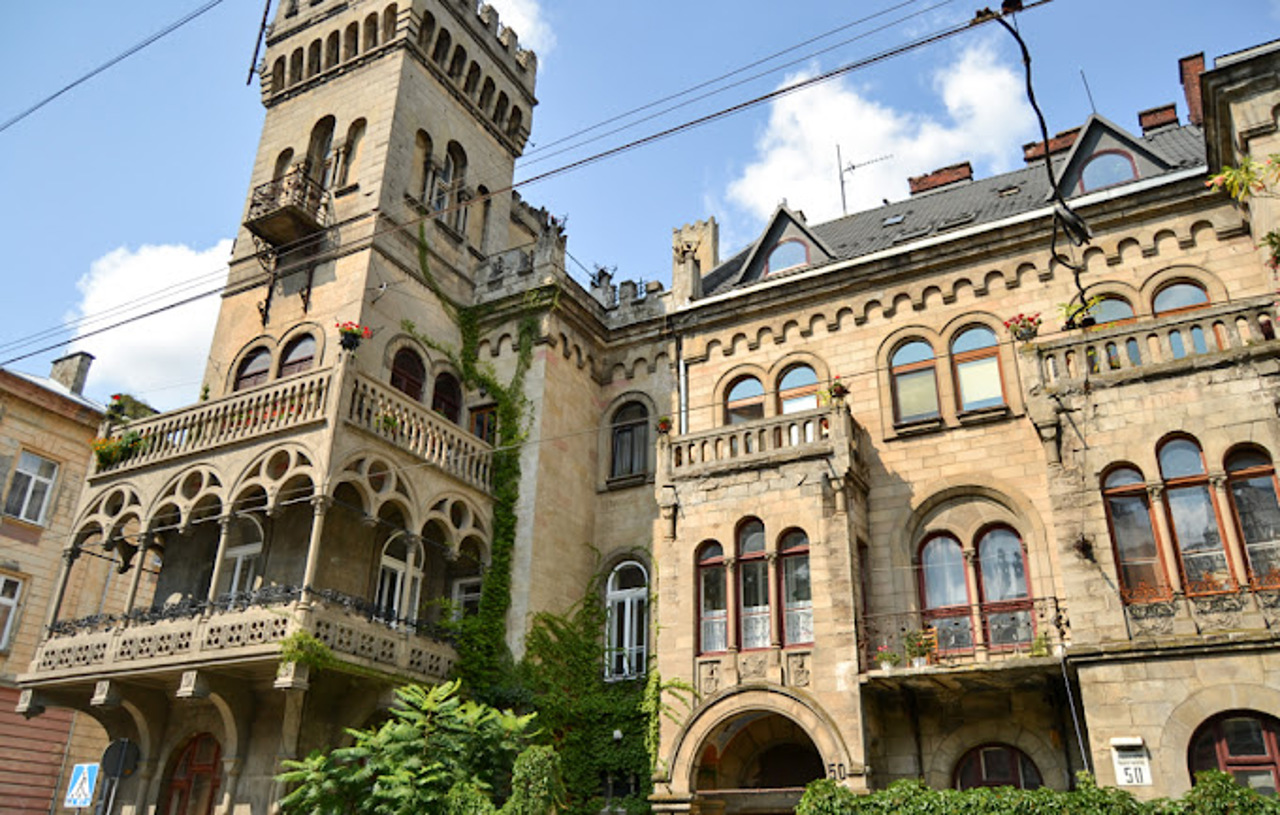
point(128, 52)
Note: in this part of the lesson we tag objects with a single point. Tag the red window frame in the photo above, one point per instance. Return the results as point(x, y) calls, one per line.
point(1189, 482)
point(709, 563)
point(790, 549)
point(930, 613)
point(989, 608)
point(1230, 764)
point(1141, 593)
point(1271, 578)
point(753, 560)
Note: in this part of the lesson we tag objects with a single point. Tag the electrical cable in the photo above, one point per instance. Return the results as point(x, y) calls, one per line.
point(128, 52)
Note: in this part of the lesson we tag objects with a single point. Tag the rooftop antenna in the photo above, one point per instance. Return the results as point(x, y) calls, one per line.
point(840, 165)
point(1088, 92)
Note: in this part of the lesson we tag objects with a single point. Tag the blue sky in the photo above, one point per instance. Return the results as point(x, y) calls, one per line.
point(134, 181)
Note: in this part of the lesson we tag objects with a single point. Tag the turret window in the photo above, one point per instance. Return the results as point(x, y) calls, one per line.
point(298, 356)
point(254, 370)
point(408, 374)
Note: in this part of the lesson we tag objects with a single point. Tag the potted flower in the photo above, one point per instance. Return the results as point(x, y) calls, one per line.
point(919, 645)
point(664, 425)
point(350, 333)
point(1024, 327)
point(887, 658)
point(836, 393)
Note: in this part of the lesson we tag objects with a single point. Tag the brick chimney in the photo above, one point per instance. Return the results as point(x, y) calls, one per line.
point(1034, 151)
point(71, 371)
point(1189, 70)
point(1156, 118)
point(944, 177)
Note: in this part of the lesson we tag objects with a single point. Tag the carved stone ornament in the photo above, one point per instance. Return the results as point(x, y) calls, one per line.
point(1152, 619)
point(1218, 611)
point(753, 666)
point(708, 678)
point(798, 670)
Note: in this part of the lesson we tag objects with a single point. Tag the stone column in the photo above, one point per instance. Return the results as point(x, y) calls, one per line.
point(778, 618)
point(224, 533)
point(1164, 536)
point(976, 619)
point(144, 545)
point(319, 504)
point(731, 604)
point(69, 557)
point(1237, 556)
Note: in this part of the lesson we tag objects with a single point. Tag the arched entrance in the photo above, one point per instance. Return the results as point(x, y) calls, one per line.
point(756, 763)
point(191, 787)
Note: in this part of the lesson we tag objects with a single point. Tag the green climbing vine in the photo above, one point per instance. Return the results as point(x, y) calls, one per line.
point(483, 659)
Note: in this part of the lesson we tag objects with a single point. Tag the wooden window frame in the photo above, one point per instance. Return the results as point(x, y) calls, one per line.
point(1201, 480)
point(786, 554)
point(930, 613)
point(408, 382)
point(1227, 762)
point(745, 559)
point(958, 360)
point(1271, 579)
point(895, 371)
point(706, 564)
point(988, 608)
point(1141, 593)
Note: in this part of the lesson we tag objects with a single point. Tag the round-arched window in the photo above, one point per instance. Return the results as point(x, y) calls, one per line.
point(253, 370)
point(1182, 296)
point(1242, 743)
point(627, 597)
point(997, 765)
point(745, 401)
point(408, 373)
point(298, 356)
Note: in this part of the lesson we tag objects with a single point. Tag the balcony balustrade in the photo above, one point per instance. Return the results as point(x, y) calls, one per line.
point(239, 627)
point(793, 436)
point(288, 208)
point(283, 405)
point(962, 636)
point(1152, 346)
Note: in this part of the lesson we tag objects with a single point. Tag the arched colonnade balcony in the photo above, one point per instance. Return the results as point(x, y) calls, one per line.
point(293, 507)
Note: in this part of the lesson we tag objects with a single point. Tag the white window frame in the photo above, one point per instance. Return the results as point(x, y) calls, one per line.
point(240, 567)
point(10, 603)
point(465, 589)
point(632, 604)
point(31, 474)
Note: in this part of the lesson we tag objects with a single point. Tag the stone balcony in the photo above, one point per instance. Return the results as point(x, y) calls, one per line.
point(236, 630)
point(1149, 348)
point(306, 402)
point(827, 432)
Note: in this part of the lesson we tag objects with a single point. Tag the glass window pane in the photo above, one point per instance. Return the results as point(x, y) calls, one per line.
point(1112, 309)
point(1180, 458)
point(746, 388)
point(1003, 571)
point(917, 395)
point(972, 339)
point(799, 403)
point(1244, 737)
point(1194, 521)
point(979, 382)
point(796, 588)
point(944, 581)
point(713, 594)
point(800, 376)
point(788, 255)
point(1261, 781)
point(955, 633)
point(915, 351)
point(1180, 295)
point(1123, 477)
point(751, 538)
point(17, 498)
point(1247, 459)
point(1009, 627)
point(1105, 170)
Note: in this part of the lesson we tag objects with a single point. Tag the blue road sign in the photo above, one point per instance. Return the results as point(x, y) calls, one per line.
point(84, 777)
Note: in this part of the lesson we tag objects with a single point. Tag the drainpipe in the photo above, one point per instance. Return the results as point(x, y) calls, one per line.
point(682, 384)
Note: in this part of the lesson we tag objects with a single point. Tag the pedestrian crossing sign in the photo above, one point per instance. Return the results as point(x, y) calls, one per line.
point(84, 777)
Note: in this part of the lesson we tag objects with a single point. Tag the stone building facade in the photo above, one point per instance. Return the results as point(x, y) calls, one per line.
point(46, 426)
point(822, 451)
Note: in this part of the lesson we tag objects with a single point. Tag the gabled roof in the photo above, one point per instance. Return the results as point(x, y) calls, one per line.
point(57, 388)
point(1099, 133)
point(932, 214)
point(783, 225)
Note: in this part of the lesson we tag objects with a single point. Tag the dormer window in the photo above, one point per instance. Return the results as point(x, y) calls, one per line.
point(1106, 169)
point(787, 255)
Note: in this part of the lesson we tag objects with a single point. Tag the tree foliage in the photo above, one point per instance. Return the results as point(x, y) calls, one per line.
point(437, 753)
point(1215, 793)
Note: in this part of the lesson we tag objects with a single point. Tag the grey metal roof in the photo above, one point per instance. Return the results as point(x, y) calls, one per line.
point(58, 388)
point(963, 205)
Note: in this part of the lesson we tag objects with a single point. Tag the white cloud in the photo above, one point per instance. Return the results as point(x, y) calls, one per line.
point(527, 19)
point(160, 359)
point(986, 119)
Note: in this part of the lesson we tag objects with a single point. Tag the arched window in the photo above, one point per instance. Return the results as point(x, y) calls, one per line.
point(500, 109)
point(332, 50)
point(449, 186)
point(422, 161)
point(486, 94)
point(713, 606)
point(975, 357)
point(1106, 169)
point(797, 591)
point(241, 565)
point(1133, 536)
point(753, 586)
point(515, 122)
point(399, 580)
point(465, 578)
point(351, 153)
point(745, 401)
point(1181, 296)
point(295, 66)
point(915, 383)
point(277, 75)
point(283, 162)
point(408, 374)
point(630, 441)
point(458, 63)
point(441, 52)
point(473, 80)
point(798, 390)
point(1242, 743)
point(371, 32)
point(627, 597)
point(1004, 588)
point(787, 255)
point(997, 765)
point(351, 41)
point(1193, 517)
point(446, 399)
point(253, 370)
point(1111, 309)
point(298, 356)
point(426, 30)
point(1252, 480)
point(193, 785)
point(313, 58)
point(389, 16)
point(945, 593)
point(320, 153)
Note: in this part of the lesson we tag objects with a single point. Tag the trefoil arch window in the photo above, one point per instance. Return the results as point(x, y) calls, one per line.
point(976, 361)
point(1242, 743)
point(713, 606)
point(1193, 517)
point(1133, 536)
point(915, 382)
point(797, 588)
point(627, 598)
point(753, 586)
point(630, 441)
point(1251, 478)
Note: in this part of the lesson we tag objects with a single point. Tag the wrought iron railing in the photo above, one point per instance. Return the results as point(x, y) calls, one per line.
point(286, 403)
point(409, 425)
point(296, 188)
point(1134, 345)
point(959, 635)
